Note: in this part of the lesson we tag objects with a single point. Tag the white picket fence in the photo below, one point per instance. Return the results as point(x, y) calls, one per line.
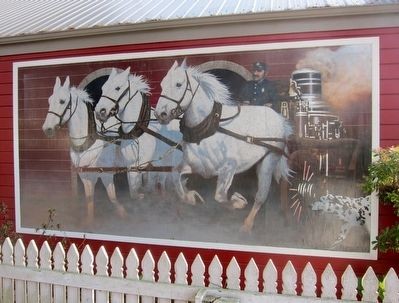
point(33, 275)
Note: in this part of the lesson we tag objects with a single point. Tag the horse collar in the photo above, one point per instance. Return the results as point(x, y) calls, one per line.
point(204, 129)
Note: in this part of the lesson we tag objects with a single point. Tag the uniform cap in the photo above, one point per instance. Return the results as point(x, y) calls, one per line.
point(259, 66)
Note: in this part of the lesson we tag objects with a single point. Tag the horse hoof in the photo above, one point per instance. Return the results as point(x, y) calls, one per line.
point(245, 229)
point(238, 201)
point(121, 212)
point(192, 196)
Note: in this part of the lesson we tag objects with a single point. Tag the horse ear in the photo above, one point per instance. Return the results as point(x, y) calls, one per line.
point(126, 72)
point(175, 64)
point(67, 82)
point(113, 72)
point(184, 63)
point(57, 83)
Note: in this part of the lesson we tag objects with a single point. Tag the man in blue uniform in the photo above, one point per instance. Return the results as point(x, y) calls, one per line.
point(260, 91)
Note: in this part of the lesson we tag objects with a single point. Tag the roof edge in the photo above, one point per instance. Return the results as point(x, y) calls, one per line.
point(248, 18)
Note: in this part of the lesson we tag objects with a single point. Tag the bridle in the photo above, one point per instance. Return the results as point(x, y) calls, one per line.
point(176, 112)
point(68, 107)
point(116, 101)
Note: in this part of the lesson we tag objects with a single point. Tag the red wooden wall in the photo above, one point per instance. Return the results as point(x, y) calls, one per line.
point(389, 135)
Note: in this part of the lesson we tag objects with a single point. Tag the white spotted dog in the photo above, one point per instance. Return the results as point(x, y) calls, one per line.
point(352, 211)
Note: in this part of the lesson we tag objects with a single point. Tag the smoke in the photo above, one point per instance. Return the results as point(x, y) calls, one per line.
point(346, 73)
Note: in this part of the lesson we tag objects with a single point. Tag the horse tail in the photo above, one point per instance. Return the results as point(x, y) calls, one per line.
point(282, 169)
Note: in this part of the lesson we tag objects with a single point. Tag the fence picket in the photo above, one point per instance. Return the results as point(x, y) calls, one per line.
point(181, 269)
point(329, 281)
point(32, 255)
point(73, 267)
point(370, 285)
point(164, 267)
point(198, 271)
point(289, 277)
point(8, 259)
point(215, 271)
point(45, 264)
point(391, 286)
point(87, 259)
point(270, 278)
point(59, 265)
point(148, 265)
point(233, 273)
point(19, 260)
point(132, 273)
point(309, 280)
point(101, 261)
point(116, 272)
point(251, 274)
point(349, 284)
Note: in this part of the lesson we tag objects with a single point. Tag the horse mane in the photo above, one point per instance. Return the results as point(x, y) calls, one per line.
point(213, 88)
point(82, 95)
point(139, 83)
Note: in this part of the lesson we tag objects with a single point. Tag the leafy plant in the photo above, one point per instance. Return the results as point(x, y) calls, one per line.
point(6, 225)
point(383, 177)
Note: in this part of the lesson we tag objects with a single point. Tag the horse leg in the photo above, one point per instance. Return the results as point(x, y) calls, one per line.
point(224, 180)
point(187, 196)
point(89, 185)
point(264, 173)
point(134, 180)
point(108, 181)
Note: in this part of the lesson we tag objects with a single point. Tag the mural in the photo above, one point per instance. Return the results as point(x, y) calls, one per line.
point(252, 147)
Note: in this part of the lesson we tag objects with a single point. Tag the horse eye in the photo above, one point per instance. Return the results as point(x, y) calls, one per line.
point(117, 88)
point(178, 84)
point(62, 101)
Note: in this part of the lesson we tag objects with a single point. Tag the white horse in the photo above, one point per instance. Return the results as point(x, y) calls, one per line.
point(124, 96)
point(69, 105)
point(221, 139)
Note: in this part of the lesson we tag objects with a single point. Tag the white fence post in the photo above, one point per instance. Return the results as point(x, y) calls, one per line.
point(181, 269)
point(116, 272)
point(73, 293)
point(45, 265)
point(215, 271)
point(349, 283)
point(102, 270)
point(251, 276)
point(148, 265)
point(233, 273)
point(329, 283)
point(87, 260)
point(132, 273)
point(309, 280)
point(391, 283)
point(270, 278)
point(32, 291)
point(59, 265)
point(20, 260)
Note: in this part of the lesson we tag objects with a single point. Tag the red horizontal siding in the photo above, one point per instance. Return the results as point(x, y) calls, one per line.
point(390, 116)
point(37, 146)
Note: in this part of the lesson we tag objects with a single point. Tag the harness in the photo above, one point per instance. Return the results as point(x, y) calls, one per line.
point(91, 136)
point(141, 125)
point(176, 112)
point(68, 107)
point(210, 125)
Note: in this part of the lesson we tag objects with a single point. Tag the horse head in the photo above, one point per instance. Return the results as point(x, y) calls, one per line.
point(114, 91)
point(178, 91)
point(60, 107)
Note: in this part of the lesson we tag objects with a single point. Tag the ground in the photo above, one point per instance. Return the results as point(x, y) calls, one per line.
point(163, 216)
